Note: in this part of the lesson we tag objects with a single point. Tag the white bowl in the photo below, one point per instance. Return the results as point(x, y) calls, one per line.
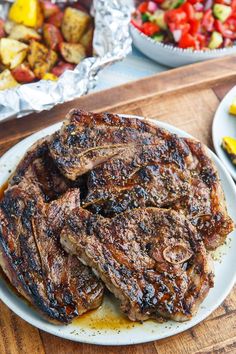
point(169, 55)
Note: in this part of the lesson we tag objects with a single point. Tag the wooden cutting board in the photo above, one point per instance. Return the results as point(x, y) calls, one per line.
point(187, 98)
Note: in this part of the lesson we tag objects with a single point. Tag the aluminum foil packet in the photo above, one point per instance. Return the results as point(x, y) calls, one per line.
point(111, 43)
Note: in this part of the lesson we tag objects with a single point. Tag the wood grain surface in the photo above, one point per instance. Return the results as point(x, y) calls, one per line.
point(187, 98)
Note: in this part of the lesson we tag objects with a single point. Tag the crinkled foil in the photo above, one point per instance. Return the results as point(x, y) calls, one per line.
point(111, 43)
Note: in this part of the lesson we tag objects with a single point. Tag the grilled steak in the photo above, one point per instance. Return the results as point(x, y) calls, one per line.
point(56, 283)
point(151, 259)
point(205, 204)
point(37, 167)
point(86, 140)
point(146, 179)
point(153, 168)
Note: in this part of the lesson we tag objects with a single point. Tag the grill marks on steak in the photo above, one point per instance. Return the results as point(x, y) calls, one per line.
point(38, 168)
point(145, 180)
point(56, 283)
point(151, 259)
point(87, 140)
point(153, 168)
point(205, 204)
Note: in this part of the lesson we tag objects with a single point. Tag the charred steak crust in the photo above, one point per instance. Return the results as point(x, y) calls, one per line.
point(56, 283)
point(151, 259)
point(130, 164)
point(38, 168)
point(86, 140)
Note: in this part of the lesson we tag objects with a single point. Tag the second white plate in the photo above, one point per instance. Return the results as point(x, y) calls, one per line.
point(224, 124)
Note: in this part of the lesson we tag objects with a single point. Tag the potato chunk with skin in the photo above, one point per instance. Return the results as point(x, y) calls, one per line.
point(8, 26)
point(7, 81)
point(87, 40)
point(23, 33)
point(49, 8)
point(23, 74)
point(74, 24)
point(52, 36)
point(72, 52)
point(12, 52)
point(41, 59)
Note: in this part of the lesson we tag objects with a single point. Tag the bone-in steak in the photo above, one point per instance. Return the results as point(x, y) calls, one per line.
point(86, 140)
point(153, 168)
point(38, 168)
point(151, 259)
point(32, 214)
point(56, 283)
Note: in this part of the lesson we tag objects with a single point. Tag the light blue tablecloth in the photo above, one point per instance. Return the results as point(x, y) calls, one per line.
point(135, 66)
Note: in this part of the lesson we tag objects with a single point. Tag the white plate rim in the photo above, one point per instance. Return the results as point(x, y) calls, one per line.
point(222, 110)
point(15, 302)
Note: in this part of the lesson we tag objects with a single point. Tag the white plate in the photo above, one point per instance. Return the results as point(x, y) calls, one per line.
point(169, 55)
point(104, 326)
point(224, 124)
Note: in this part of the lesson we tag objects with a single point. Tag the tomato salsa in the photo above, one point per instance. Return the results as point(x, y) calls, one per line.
point(196, 24)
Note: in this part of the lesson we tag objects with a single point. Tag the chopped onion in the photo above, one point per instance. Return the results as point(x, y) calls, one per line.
point(177, 35)
point(208, 4)
point(199, 6)
point(152, 6)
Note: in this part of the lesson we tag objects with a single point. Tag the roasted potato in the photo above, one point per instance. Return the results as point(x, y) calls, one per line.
point(12, 52)
point(52, 36)
point(23, 33)
point(87, 40)
point(26, 12)
point(23, 74)
point(49, 8)
point(72, 52)
point(56, 19)
point(74, 24)
point(2, 30)
point(41, 59)
point(7, 81)
point(62, 66)
point(8, 25)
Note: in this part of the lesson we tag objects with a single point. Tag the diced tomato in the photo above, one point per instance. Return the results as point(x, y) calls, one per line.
point(227, 29)
point(143, 7)
point(191, 24)
point(208, 20)
point(194, 26)
point(189, 10)
point(150, 28)
point(201, 40)
point(175, 16)
point(233, 5)
point(187, 41)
